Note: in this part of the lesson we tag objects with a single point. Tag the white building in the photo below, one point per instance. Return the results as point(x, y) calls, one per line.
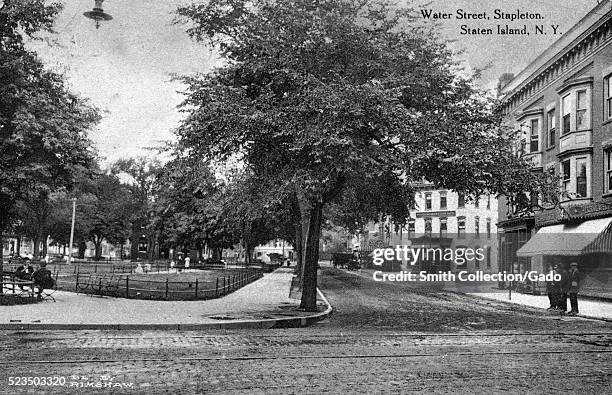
point(444, 219)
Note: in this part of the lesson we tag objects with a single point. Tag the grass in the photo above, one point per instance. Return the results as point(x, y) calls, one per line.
point(200, 284)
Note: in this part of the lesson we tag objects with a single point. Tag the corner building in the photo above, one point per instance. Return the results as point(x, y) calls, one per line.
point(560, 111)
point(442, 219)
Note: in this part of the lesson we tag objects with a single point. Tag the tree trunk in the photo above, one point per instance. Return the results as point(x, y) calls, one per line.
point(98, 248)
point(45, 251)
point(18, 252)
point(134, 248)
point(311, 257)
point(36, 254)
point(82, 248)
point(1, 260)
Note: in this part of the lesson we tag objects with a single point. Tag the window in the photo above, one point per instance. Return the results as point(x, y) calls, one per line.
point(552, 120)
point(581, 110)
point(428, 226)
point(460, 227)
point(566, 114)
point(608, 156)
point(461, 201)
point(477, 226)
point(534, 132)
point(581, 177)
point(428, 201)
point(443, 203)
point(608, 97)
point(443, 226)
point(488, 228)
point(576, 110)
point(567, 178)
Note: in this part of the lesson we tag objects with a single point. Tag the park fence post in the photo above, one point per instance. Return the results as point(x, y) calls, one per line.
point(96, 268)
point(196, 288)
point(223, 284)
point(127, 287)
point(217, 288)
point(166, 287)
point(76, 286)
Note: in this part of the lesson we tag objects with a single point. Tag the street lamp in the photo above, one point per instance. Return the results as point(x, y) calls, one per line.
point(98, 14)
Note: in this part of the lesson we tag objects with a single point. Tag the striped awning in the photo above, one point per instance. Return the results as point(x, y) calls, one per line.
point(565, 239)
point(601, 244)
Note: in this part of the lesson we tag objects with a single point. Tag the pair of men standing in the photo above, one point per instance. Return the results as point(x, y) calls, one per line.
point(568, 285)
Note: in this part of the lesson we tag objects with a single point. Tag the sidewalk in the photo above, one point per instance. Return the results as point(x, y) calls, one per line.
point(588, 308)
point(264, 303)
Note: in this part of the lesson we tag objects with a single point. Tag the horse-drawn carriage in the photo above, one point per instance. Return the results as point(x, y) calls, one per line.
point(345, 260)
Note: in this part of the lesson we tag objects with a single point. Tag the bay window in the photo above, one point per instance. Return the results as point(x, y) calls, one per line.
point(576, 110)
point(576, 176)
point(566, 171)
point(581, 177)
point(552, 120)
point(608, 170)
point(534, 133)
point(608, 97)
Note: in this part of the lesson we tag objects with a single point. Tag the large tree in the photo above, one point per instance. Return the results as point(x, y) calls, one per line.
point(42, 125)
point(324, 97)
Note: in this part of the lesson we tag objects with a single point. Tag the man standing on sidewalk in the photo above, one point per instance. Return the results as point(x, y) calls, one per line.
point(550, 290)
point(574, 286)
point(564, 285)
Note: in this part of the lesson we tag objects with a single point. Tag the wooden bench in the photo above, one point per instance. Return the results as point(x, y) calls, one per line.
point(18, 287)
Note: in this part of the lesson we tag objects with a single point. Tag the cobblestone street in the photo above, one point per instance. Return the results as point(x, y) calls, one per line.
point(429, 349)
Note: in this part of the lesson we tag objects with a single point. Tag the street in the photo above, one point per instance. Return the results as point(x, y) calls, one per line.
point(381, 338)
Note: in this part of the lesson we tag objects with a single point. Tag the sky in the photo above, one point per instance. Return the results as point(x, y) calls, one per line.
point(125, 67)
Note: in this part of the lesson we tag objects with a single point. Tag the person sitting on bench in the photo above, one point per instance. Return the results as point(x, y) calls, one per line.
point(42, 279)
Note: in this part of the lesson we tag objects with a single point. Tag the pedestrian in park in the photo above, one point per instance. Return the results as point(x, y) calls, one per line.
point(42, 279)
point(574, 286)
point(187, 262)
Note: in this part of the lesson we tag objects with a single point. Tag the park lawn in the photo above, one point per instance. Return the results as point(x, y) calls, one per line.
point(196, 284)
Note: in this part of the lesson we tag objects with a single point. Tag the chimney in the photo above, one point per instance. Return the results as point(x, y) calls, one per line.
point(504, 80)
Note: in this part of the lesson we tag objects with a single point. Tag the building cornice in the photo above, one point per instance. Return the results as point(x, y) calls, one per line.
point(568, 54)
point(575, 82)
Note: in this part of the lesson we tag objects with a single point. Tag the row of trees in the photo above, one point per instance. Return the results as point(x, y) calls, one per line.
point(43, 126)
point(322, 111)
point(334, 109)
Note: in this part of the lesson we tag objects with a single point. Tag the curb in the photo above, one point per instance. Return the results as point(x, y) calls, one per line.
point(589, 317)
point(293, 322)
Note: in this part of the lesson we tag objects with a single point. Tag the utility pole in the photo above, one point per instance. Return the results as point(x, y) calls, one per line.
point(72, 231)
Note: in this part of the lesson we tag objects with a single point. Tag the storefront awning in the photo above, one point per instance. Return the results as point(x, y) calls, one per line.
point(564, 239)
point(602, 243)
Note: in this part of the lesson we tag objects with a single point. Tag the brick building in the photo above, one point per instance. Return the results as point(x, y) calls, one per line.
point(560, 108)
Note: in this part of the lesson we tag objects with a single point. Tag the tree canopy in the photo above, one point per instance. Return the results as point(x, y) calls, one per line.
point(43, 126)
point(333, 97)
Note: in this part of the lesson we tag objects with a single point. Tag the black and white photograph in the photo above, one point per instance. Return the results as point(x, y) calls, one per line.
point(305, 196)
